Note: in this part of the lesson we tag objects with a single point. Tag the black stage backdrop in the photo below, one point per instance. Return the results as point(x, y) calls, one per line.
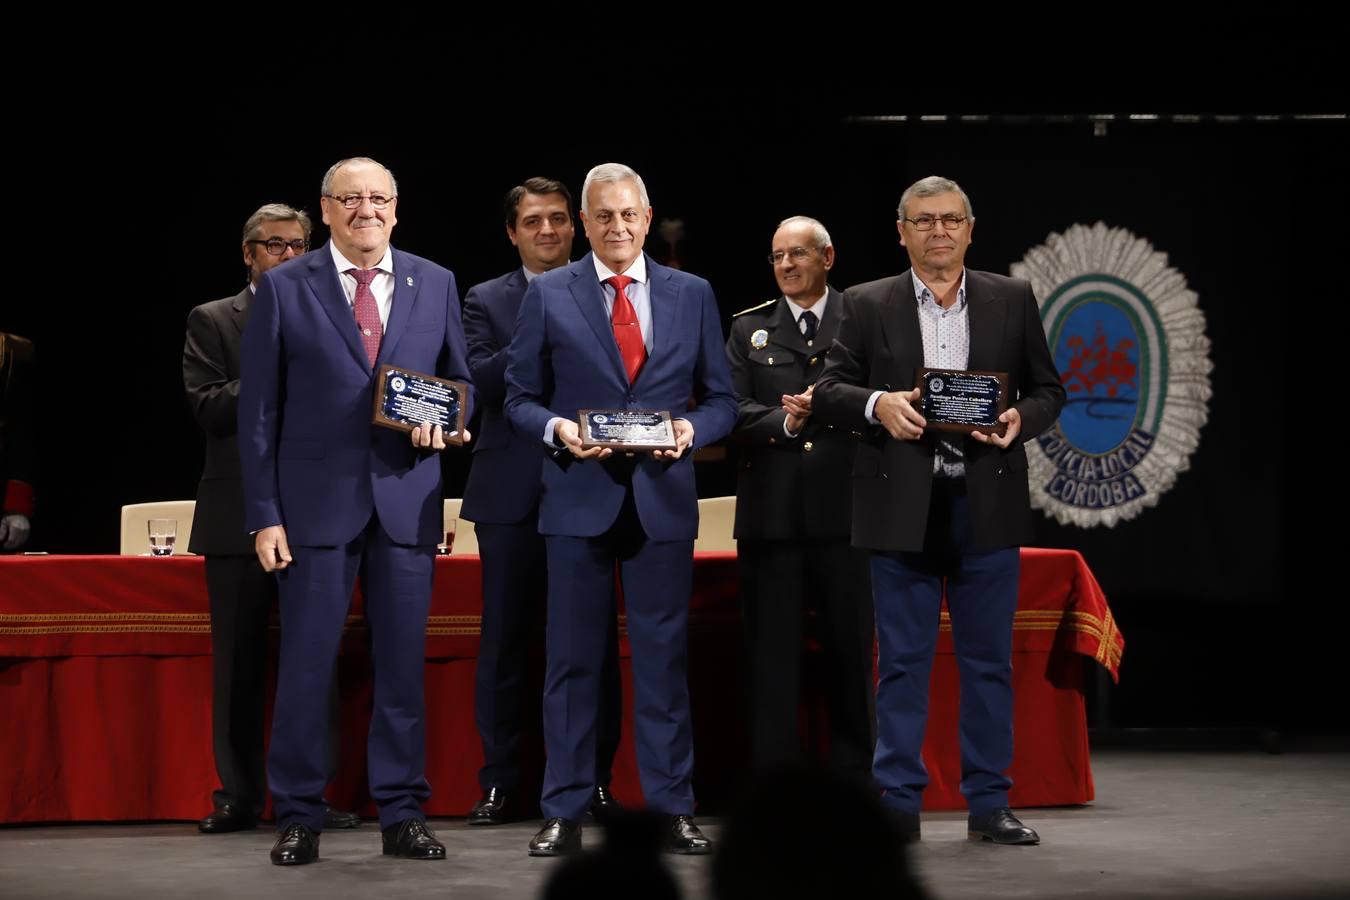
point(1224, 622)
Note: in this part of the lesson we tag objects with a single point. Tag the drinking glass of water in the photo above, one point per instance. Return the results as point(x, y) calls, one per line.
point(162, 535)
point(445, 548)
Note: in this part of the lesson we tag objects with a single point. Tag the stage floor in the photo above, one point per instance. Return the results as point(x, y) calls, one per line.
point(1239, 824)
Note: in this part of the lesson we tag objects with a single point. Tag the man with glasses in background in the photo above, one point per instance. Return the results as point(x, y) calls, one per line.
point(793, 479)
point(329, 495)
point(941, 513)
point(239, 592)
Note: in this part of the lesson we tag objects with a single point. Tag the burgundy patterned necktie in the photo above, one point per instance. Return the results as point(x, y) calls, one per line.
point(627, 331)
point(367, 312)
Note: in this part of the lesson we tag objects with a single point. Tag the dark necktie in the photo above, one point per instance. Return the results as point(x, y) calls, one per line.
point(807, 323)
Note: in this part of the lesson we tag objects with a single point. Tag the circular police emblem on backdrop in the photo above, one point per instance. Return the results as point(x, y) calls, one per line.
point(398, 385)
point(1128, 338)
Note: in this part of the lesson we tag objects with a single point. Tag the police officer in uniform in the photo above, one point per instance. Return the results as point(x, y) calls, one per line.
point(793, 515)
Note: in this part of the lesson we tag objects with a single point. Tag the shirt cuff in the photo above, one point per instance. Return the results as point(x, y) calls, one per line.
point(549, 430)
point(871, 405)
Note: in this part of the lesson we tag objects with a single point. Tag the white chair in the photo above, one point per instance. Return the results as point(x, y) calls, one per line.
point(466, 542)
point(716, 522)
point(136, 518)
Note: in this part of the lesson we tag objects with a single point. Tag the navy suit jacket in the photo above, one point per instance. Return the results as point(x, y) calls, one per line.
point(503, 486)
point(311, 459)
point(563, 358)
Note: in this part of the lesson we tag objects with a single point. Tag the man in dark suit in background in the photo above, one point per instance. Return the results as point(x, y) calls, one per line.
point(794, 477)
point(502, 500)
point(941, 513)
point(616, 331)
point(239, 591)
point(330, 495)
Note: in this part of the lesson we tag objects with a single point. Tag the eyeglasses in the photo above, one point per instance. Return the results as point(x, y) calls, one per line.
point(352, 201)
point(925, 222)
point(277, 247)
point(796, 254)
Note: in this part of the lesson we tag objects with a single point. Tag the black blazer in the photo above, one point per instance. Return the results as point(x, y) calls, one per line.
point(211, 378)
point(880, 347)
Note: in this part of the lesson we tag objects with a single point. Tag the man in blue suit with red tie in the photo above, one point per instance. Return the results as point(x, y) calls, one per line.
point(502, 500)
point(615, 330)
point(329, 495)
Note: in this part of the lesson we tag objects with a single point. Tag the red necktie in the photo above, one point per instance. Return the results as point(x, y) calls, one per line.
point(367, 312)
point(627, 331)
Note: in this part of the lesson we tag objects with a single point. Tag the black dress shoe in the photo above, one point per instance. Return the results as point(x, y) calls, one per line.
point(604, 805)
point(336, 818)
point(491, 810)
point(412, 839)
point(908, 825)
point(684, 837)
point(296, 846)
point(1001, 827)
point(228, 817)
point(558, 837)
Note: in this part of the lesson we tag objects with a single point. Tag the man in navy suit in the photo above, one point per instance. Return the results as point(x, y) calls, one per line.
point(240, 593)
point(617, 331)
point(502, 500)
point(329, 495)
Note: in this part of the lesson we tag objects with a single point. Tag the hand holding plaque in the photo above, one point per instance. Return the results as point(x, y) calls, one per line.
point(684, 439)
point(1012, 420)
point(406, 400)
point(628, 430)
point(964, 402)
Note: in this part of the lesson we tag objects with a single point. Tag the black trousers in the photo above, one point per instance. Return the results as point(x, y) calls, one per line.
point(781, 582)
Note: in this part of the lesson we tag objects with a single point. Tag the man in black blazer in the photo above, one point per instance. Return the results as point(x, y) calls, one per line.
point(793, 513)
point(936, 510)
point(240, 593)
point(502, 500)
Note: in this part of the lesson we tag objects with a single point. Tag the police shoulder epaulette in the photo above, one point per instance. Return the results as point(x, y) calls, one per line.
point(755, 307)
